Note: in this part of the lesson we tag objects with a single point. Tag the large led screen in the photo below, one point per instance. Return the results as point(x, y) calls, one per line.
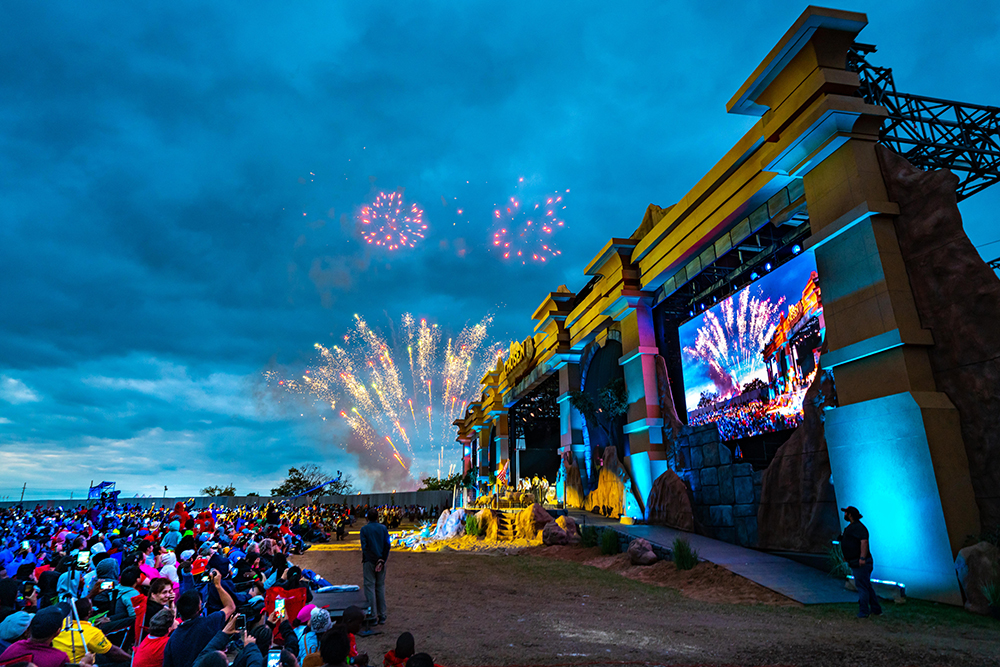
point(748, 360)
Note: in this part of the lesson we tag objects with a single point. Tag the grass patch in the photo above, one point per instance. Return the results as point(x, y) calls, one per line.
point(915, 613)
point(839, 569)
point(472, 526)
point(609, 543)
point(588, 537)
point(685, 558)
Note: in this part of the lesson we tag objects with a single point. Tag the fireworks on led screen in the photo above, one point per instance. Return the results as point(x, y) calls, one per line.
point(524, 226)
point(729, 341)
point(389, 222)
point(748, 361)
point(400, 393)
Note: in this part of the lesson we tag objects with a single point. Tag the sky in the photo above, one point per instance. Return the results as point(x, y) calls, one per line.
point(180, 183)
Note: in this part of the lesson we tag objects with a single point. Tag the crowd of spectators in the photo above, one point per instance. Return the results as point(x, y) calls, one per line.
point(741, 421)
point(174, 587)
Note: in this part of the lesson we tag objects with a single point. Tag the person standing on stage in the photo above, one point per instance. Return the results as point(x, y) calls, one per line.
point(374, 553)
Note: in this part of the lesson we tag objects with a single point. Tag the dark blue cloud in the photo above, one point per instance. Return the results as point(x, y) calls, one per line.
point(179, 186)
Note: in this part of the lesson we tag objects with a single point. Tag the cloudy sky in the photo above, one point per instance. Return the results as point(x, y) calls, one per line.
point(179, 184)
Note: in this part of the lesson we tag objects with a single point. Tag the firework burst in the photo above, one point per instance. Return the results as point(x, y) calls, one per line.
point(400, 394)
point(391, 223)
point(523, 228)
point(729, 343)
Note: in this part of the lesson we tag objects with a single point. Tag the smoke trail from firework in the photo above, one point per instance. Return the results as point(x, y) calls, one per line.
point(399, 394)
point(390, 223)
point(730, 342)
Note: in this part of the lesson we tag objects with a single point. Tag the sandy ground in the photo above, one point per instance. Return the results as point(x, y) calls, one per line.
point(569, 605)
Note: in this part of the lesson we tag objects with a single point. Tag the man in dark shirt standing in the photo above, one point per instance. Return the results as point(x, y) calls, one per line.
point(854, 545)
point(374, 552)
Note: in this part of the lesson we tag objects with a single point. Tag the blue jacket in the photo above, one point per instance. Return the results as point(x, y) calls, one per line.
point(374, 542)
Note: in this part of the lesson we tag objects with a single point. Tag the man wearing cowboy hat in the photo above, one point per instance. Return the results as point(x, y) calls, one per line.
point(854, 545)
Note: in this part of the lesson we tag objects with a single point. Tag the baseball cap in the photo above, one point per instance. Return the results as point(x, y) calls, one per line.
point(14, 625)
point(47, 622)
point(852, 510)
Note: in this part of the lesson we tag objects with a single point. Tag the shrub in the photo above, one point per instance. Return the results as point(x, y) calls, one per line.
point(472, 525)
point(685, 558)
point(838, 566)
point(992, 593)
point(609, 542)
point(588, 537)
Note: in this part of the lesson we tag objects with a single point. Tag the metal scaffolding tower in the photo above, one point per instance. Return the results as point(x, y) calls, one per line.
point(933, 133)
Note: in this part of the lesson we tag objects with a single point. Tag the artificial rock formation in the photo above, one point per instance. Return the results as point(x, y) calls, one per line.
point(640, 552)
point(798, 509)
point(670, 502)
point(672, 425)
point(957, 297)
point(568, 524)
point(575, 496)
point(530, 521)
point(976, 566)
point(553, 534)
point(610, 491)
point(488, 525)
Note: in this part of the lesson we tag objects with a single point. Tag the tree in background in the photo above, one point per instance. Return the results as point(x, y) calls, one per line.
point(606, 412)
point(443, 483)
point(310, 475)
point(218, 491)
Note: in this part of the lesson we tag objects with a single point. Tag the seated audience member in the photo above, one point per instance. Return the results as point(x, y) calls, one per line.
point(420, 660)
point(293, 581)
point(308, 640)
point(161, 596)
point(45, 627)
point(14, 628)
point(126, 591)
point(404, 651)
point(213, 655)
point(150, 652)
point(77, 639)
point(320, 623)
point(334, 647)
point(351, 621)
point(195, 631)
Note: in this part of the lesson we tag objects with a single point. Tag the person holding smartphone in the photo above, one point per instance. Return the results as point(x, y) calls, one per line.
point(196, 631)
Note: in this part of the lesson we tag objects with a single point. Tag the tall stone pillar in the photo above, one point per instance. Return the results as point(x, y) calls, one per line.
point(895, 446)
point(570, 425)
point(645, 458)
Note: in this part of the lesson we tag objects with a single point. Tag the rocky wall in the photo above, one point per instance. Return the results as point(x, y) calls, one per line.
point(958, 298)
point(798, 509)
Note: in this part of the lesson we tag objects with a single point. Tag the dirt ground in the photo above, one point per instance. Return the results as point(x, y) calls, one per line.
point(569, 605)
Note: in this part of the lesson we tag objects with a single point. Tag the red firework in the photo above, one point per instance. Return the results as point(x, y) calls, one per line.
point(523, 229)
point(390, 223)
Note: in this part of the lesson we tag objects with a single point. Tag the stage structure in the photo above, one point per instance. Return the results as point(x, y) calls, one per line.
point(774, 330)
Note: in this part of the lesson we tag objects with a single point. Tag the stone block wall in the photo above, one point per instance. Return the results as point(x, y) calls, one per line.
point(726, 494)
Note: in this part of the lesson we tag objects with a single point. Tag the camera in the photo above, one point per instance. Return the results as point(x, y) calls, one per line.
point(206, 577)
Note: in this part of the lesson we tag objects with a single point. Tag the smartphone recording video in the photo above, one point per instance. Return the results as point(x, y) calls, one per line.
point(26, 545)
point(107, 585)
point(241, 622)
point(279, 606)
point(274, 658)
point(83, 560)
